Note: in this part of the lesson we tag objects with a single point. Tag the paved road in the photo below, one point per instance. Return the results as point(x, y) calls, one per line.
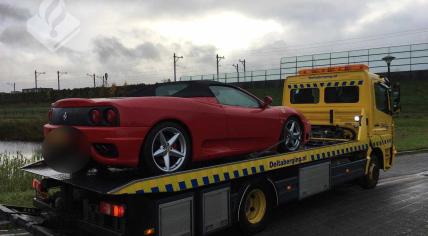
point(398, 206)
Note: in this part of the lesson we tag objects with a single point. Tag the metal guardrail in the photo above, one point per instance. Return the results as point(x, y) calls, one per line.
point(412, 57)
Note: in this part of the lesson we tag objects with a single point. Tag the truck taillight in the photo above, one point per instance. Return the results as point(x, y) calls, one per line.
point(115, 210)
point(37, 185)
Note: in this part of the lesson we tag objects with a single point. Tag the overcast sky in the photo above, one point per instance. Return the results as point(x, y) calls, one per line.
point(134, 40)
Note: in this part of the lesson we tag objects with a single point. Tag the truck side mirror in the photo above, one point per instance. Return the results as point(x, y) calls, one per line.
point(395, 98)
point(267, 101)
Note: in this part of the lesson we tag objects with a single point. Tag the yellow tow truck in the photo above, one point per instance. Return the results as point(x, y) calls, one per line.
point(347, 102)
point(352, 139)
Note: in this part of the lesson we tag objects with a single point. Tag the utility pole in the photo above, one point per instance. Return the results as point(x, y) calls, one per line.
point(12, 84)
point(243, 63)
point(102, 78)
point(218, 58)
point(92, 76)
point(176, 58)
point(35, 77)
point(106, 77)
point(60, 73)
point(237, 70)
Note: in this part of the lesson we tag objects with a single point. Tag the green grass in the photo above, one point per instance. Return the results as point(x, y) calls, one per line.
point(23, 122)
point(22, 198)
point(412, 122)
point(15, 187)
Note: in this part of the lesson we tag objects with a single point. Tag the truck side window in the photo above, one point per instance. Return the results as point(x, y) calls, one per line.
point(381, 97)
point(304, 96)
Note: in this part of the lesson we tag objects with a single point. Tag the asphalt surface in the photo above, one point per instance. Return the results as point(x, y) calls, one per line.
point(397, 206)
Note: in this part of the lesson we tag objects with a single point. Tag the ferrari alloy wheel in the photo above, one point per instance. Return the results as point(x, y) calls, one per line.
point(167, 148)
point(291, 135)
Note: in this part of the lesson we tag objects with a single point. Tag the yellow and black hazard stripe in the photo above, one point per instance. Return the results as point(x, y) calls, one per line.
point(210, 175)
point(326, 84)
point(379, 141)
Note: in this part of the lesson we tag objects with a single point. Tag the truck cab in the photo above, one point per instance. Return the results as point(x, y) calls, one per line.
point(347, 103)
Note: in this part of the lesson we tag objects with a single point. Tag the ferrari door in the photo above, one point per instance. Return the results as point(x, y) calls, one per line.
point(251, 127)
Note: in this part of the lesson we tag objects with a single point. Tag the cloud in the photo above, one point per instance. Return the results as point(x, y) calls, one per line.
point(18, 37)
point(134, 40)
point(108, 49)
point(9, 12)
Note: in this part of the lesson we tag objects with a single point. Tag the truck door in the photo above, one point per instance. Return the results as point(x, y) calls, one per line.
point(383, 125)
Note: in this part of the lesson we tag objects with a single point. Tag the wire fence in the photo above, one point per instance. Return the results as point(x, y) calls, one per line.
point(412, 57)
point(248, 76)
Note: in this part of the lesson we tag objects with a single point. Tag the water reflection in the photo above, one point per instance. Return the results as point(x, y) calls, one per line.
point(26, 148)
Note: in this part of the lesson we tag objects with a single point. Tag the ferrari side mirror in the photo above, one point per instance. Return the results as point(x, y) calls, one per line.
point(267, 101)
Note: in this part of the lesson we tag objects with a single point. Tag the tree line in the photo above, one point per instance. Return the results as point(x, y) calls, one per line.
point(54, 95)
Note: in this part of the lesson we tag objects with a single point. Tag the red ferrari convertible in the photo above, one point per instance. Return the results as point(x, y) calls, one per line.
point(165, 126)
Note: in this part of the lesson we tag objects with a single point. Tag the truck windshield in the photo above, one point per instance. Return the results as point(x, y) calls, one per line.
point(346, 94)
point(304, 96)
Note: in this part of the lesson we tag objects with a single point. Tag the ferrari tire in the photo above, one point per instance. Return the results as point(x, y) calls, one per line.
point(255, 209)
point(167, 149)
point(291, 135)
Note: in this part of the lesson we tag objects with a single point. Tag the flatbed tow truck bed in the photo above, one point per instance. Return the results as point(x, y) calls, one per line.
point(207, 199)
point(131, 182)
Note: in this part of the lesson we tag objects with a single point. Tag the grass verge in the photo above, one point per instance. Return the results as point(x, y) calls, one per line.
point(23, 122)
point(15, 187)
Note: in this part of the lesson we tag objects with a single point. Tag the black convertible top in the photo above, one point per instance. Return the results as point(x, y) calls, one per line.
point(199, 88)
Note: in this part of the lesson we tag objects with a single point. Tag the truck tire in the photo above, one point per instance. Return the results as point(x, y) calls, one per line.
point(370, 180)
point(255, 209)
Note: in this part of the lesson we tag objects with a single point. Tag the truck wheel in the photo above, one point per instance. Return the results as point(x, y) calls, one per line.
point(255, 209)
point(370, 180)
point(166, 149)
point(291, 136)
